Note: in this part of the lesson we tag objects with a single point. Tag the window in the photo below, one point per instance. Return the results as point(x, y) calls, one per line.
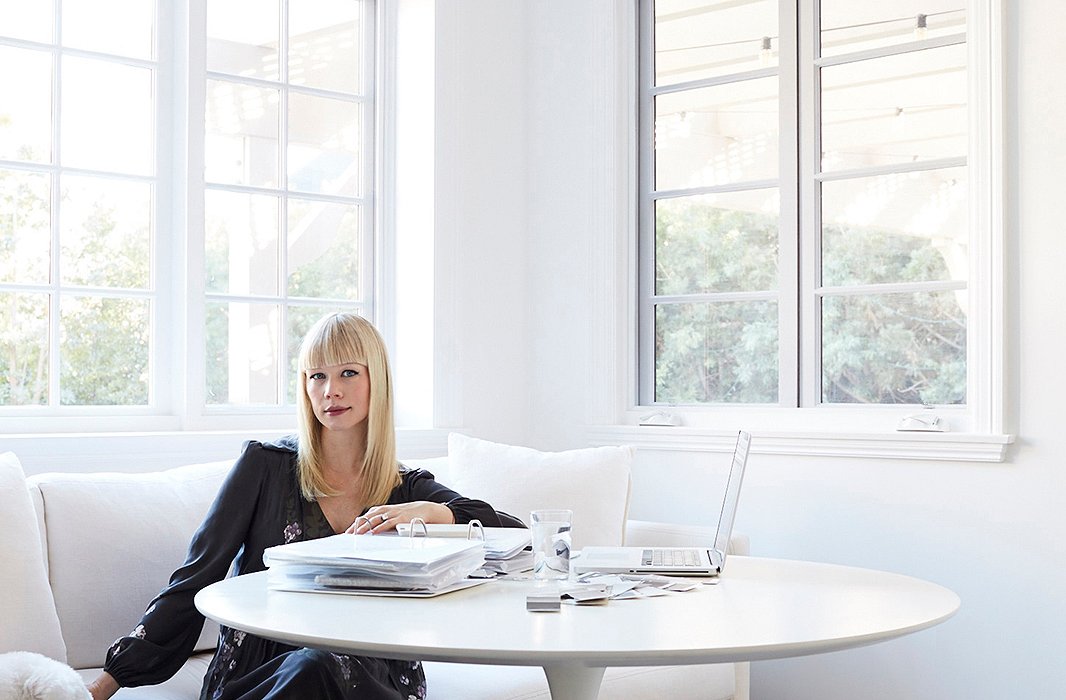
point(181, 194)
point(78, 179)
point(288, 169)
point(807, 217)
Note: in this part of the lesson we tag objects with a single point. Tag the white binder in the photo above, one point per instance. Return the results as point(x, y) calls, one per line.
point(373, 562)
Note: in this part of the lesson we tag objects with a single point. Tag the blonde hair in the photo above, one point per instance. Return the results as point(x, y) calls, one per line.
point(336, 339)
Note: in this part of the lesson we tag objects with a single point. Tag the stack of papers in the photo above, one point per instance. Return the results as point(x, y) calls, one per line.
point(599, 588)
point(351, 563)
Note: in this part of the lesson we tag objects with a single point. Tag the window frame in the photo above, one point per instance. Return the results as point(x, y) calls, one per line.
point(178, 373)
point(977, 430)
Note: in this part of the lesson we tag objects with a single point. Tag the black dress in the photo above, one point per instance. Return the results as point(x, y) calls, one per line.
point(259, 506)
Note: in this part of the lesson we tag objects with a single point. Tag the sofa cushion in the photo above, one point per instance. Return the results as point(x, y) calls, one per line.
point(183, 685)
point(113, 541)
point(26, 606)
point(593, 482)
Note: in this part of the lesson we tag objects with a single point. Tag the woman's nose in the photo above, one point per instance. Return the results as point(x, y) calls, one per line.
point(331, 391)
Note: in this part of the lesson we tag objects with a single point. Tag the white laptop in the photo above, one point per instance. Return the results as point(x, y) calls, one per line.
point(683, 561)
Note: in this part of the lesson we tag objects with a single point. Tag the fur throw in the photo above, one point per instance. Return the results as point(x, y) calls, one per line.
point(25, 675)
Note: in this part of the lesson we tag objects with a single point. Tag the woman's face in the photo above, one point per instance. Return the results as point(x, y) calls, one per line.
point(340, 395)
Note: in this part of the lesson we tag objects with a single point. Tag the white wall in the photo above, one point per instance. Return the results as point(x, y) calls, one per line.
point(528, 253)
point(481, 216)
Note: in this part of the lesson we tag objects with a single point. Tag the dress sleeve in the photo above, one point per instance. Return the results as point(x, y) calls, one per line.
point(420, 485)
point(166, 635)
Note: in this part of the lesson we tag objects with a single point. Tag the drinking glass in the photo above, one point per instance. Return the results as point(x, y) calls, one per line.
point(551, 543)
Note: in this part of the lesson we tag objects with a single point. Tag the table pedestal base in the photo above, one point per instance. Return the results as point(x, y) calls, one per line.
point(574, 681)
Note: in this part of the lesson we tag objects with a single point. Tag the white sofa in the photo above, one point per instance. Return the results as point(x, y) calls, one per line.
point(82, 554)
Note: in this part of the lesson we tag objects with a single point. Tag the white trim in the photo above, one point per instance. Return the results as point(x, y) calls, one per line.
point(786, 293)
point(151, 451)
point(449, 144)
point(612, 278)
point(960, 447)
point(809, 342)
point(192, 375)
point(644, 216)
point(985, 325)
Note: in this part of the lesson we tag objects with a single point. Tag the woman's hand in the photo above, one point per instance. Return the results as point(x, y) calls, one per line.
point(103, 687)
point(385, 518)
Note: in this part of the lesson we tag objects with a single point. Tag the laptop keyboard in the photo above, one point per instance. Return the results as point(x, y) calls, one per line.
point(670, 557)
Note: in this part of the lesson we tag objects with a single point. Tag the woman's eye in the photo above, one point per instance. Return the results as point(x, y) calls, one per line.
point(350, 373)
point(317, 376)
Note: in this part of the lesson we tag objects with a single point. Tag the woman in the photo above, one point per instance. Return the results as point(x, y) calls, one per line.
point(339, 476)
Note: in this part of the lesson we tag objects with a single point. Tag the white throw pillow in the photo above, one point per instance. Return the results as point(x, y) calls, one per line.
point(27, 608)
point(592, 482)
point(105, 575)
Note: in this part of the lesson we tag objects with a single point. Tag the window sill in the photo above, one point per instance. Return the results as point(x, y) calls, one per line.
point(155, 450)
point(954, 447)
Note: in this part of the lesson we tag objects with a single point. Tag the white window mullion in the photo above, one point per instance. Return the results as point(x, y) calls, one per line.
point(162, 391)
point(809, 214)
point(55, 201)
point(646, 208)
point(788, 300)
point(378, 229)
point(283, 208)
point(195, 87)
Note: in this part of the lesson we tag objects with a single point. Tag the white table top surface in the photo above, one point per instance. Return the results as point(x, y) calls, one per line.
point(761, 609)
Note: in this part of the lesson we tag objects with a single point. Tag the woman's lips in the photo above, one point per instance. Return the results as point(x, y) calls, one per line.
point(336, 410)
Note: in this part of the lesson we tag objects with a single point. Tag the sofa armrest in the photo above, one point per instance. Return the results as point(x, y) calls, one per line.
point(645, 533)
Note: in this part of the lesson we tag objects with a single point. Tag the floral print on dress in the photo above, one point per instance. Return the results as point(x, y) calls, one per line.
point(138, 632)
point(344, 663)
point(419, 691)
point(292, 532)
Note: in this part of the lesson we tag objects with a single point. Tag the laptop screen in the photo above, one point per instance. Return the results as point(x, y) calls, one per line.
point(732, 492)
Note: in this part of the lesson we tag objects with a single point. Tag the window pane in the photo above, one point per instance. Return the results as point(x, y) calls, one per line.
point(241, 143)
point(242, 353)
point(108, 117)
point(301, 318)
point(897, 109)
point(894, 348)
point(695, 39)
point(103, 351)
point(716, 243)
point(323, 250)
point(105, 232)
point(324, 46)
point(716, 135)
point(906, 227)
point(854, 26)
point(324, 137)
point(23, 349)
point(25, 227)
point(716, 353)
point(243, 37)
point(26, 110)
point(91, 24)
point(241, 242)
point(27, 20)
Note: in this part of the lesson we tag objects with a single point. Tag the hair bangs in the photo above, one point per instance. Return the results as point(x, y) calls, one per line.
point(331, 343)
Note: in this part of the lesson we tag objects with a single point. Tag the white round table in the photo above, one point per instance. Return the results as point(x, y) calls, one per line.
point(761, 609)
